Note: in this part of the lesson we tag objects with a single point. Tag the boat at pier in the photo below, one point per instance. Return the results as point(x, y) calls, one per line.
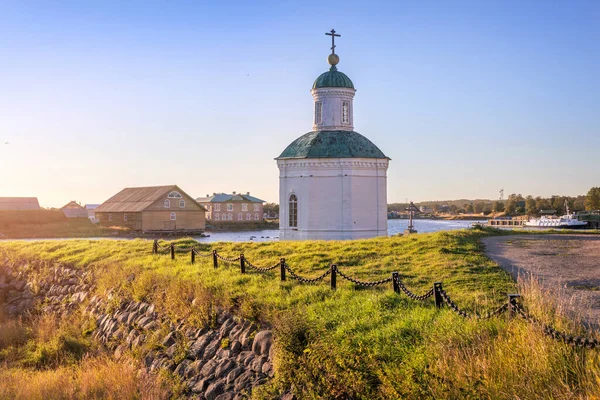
point(567, 221)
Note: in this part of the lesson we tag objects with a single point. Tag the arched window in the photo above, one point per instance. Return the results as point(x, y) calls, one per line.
point(248, 217)
point(181, 203)
point(230, 217)
point(256, 217)
point(240, 217)
point(124, 217)
point(174, 195)
point(293, 211)
point(318, 112)
point(244, 207)
point(173, 216)
point(110, 217)
point(167, 203)
point(217, 217)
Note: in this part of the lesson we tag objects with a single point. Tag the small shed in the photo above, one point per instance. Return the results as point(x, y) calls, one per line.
point(74, 210)
point(19, 203)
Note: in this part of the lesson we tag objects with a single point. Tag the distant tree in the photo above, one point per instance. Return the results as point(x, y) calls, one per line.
point(558, 204)
point(436, 207)
point(579, 203)
point(453, 209)
point(498, 206)
point(542, 204)
point(469, 208)
point(592, 199)
point(510, 206)
point(271, 208)
point(531, 206)
point(478, 207)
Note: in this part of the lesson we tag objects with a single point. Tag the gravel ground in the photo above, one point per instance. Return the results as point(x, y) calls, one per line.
point(567, 264)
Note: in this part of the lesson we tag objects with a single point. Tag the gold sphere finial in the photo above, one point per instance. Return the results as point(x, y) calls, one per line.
point(333, 59)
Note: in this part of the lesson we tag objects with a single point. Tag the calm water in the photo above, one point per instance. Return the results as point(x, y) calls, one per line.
point(394, 226)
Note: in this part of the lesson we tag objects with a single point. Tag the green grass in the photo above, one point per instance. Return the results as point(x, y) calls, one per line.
point(351, 342)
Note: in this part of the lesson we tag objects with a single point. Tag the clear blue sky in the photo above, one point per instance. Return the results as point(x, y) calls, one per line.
point(466, 97)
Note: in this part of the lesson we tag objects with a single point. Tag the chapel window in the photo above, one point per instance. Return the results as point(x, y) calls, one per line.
point(345, 114)
point(293, 211)
point(318, 112)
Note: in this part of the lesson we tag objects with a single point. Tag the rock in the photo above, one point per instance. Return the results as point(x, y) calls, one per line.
point(225, 396)
point(150, 310)
point(143, 321)
point(149, 359)
point(267, 369)
point(201, 386)
point(18, 285)
point(245, 336)
point(211, 349)
point(121, 350)
point(223, 353)
point(133, 334)
point(258, 363)
point(262, 343)
point(209, 368)
point(223, 368)
point(169, 339)
point(233, 374)
point(150, 326)
point(245, 357)
point(236, 348)
point(171, 350)
point(193, 369)
point(288, 396)
point(226, 327)
point(182, 367)
point(132, 317)
point(197, 349)
point(214, 389)
point(243, 381)
point(122, 318)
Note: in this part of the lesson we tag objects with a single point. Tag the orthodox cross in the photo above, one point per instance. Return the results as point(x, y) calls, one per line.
point(333, 35)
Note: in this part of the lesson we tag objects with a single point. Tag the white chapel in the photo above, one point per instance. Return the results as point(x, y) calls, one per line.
point(332, 180)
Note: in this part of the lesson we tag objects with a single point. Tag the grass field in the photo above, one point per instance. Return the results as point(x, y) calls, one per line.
point(352, 342)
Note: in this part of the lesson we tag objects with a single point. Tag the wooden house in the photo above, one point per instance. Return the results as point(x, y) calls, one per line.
point(74, 210)
point(19, 203)
point(157, 208)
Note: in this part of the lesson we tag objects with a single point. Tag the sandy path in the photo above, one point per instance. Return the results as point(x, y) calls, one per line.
point(569, 264)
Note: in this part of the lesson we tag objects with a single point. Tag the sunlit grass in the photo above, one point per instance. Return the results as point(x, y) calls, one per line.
point(352, 342)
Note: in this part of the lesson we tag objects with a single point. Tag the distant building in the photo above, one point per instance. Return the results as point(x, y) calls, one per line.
point(19, 203)
point(91, 211)
point(74, 210)
point(157, 208)
point(234, 208)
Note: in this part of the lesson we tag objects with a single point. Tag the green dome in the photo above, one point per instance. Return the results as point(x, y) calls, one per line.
point(333, 78)
point(332, 144)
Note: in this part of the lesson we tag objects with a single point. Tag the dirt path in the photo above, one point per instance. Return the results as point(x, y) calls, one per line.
point(569, 264)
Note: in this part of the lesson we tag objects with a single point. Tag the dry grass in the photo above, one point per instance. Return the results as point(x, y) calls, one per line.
point(92, 378)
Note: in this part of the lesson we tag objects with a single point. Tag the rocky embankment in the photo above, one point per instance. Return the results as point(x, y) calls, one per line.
point(222, 362)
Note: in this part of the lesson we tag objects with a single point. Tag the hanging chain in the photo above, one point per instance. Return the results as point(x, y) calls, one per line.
point(411, 294)
point(306, 280)
point(258, 269)
point(361, 283)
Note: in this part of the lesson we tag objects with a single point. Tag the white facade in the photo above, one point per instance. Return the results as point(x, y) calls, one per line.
point(343, 198)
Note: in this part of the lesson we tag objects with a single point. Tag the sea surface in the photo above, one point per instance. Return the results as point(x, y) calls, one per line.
point(395, 226)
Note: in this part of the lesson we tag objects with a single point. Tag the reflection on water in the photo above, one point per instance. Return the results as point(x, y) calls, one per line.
point(395, 226)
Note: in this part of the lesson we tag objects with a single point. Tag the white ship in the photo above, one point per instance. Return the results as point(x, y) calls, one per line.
point(566, 221)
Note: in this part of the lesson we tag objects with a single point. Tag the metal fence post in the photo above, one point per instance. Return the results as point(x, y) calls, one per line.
point(395, 278)
point(242, 264)
point(512, 302)
point(282, 266)
point(172, 251)
point(333, 276)
point(215, 260)
point(437, 288)
point(155, 247)
point(193, 254)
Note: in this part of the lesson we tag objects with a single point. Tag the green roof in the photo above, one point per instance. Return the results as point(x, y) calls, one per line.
point(332, 144)
point(333, 78)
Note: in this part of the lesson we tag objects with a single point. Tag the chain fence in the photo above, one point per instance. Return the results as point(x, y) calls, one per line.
point(439, 295)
